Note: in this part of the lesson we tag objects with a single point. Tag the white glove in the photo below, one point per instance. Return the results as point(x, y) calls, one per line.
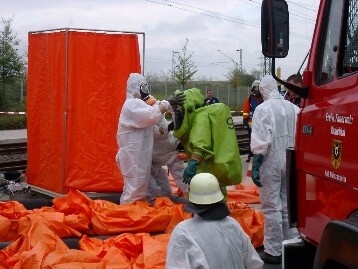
point(164, 106)
point(163, 129)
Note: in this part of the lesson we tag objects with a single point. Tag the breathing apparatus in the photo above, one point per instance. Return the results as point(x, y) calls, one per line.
point(145, 96)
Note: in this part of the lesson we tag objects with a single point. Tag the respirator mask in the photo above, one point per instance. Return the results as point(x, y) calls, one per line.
point(145, 96)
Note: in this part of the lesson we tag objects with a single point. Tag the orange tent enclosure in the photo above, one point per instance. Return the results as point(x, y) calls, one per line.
point(76, 89)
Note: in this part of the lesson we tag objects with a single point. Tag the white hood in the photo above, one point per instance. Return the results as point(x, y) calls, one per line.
point(267, 86)
point(134, 82)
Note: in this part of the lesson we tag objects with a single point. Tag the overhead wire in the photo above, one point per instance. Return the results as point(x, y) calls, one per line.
point(292, 12)
point(211, 13)
point(302, 6)
point(220, 16)
point(215, 15)
point(299, 5)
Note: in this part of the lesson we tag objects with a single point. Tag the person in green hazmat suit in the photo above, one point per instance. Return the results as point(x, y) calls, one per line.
point(209, 139)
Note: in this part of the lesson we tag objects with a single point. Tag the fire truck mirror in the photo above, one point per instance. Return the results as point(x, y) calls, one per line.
point(274, 28)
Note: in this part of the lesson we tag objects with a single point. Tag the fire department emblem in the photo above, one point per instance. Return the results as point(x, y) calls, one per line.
point(336, 153)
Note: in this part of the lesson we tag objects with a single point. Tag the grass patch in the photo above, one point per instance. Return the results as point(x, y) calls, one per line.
point(12, 122)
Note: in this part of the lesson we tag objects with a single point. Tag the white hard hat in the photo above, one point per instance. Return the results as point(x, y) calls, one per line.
point(134, 82)
point(204, 189)
point(256, 83)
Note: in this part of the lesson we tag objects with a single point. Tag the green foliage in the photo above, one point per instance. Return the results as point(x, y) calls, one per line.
point(237, 110)
point(239, 77)
point(12, 65)
point(234, 97)
point(12, 122)
point(21, 107)
point(184, 68)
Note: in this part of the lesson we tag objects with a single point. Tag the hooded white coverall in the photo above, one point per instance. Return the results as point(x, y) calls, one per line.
point(273, 130)
point(219, 244)
point(135, 141)
point(165, 153)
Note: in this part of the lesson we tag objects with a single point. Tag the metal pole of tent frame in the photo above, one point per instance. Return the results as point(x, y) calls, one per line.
point(65, 116)
point(143, 53)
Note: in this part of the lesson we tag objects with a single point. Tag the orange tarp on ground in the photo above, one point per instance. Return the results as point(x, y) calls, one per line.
point(251, 220)
point(37, 232)
point(247, 193)
point(42, 248)
point(76, 89)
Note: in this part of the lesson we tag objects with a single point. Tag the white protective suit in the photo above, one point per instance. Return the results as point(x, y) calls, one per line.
point(219, 244)
point(135, 141)
point(165, 153)
point(273, 130)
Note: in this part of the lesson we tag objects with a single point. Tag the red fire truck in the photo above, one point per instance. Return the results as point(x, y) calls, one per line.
point(322, 169)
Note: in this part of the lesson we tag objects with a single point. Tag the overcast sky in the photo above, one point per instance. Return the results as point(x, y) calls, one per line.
point(210, 25)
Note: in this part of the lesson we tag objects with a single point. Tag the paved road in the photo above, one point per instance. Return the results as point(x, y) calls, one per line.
point(9, 136)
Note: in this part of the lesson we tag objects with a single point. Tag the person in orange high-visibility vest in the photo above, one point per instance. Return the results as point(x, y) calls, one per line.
point(250, 104)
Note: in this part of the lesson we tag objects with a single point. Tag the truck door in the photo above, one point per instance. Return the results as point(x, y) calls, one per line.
point(328, 132)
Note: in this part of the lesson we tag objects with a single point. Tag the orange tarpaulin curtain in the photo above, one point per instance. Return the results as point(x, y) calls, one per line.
point(80, 77)
point(99, 68)
point(45, 109)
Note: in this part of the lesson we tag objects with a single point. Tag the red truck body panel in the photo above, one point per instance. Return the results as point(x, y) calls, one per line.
point(326, 145)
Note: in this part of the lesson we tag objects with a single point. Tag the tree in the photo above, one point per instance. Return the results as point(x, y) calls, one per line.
point(184, 67)
point(239, 77)
point(158, 77)
point(11, 63)
point(256, 73)
point(236, 76)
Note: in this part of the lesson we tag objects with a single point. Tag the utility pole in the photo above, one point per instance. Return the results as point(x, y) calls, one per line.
point(266, 67)
point(240, 50)
point(173, 62)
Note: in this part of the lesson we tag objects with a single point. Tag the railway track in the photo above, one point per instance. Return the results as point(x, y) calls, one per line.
point(13, 156)
point(21, 148)
point(13, 165)
point(242, 139)
point(12, 148)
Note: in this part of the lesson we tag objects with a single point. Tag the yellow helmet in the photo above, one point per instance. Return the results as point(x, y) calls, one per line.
point(204, 189)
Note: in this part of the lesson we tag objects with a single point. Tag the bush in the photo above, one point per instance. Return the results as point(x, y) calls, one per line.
point(237, 110)
point(12, 122)
point(19, 107)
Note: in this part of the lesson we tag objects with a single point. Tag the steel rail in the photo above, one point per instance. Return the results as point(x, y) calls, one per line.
point(21, 148)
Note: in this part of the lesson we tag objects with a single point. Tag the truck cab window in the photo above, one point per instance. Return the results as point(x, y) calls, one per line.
point(330, 41)
point(348, 63)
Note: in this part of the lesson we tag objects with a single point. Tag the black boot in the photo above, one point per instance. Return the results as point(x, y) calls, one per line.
point(249, 156)
point(268, 258)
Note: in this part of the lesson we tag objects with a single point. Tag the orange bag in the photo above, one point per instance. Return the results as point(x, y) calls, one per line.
point(251, 221)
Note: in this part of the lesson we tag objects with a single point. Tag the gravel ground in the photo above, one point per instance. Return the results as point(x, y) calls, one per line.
point(13, 157)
